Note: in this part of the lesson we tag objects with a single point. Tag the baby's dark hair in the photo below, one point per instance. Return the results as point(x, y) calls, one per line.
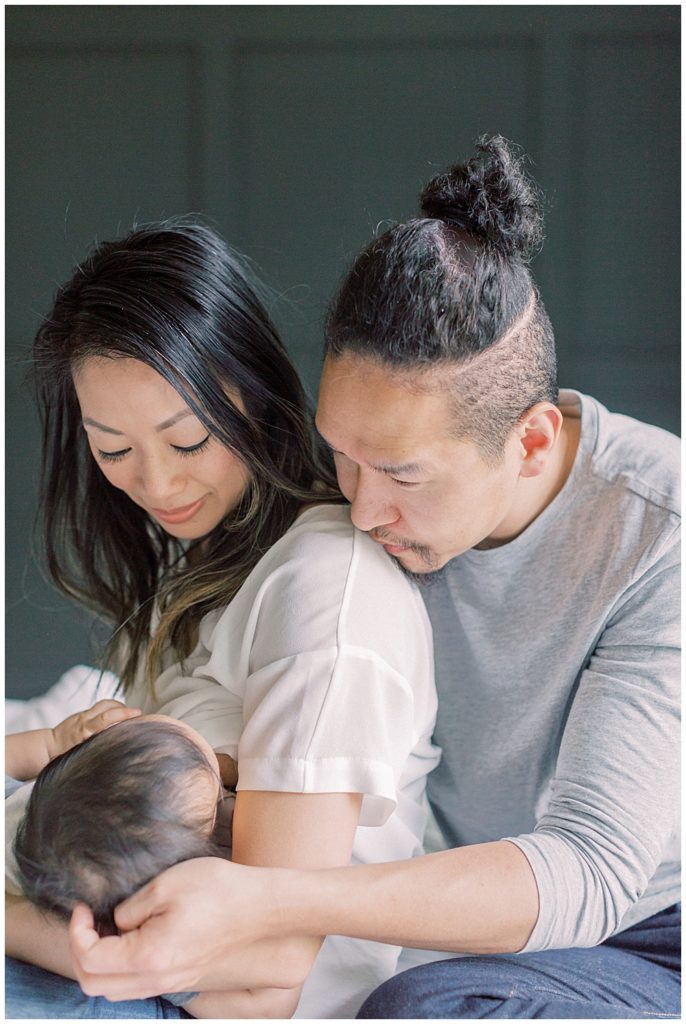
point(452, 288)
point(110, 814)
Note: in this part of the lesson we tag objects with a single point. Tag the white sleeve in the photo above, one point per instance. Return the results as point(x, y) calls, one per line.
point(205, 705)
point(340, 675)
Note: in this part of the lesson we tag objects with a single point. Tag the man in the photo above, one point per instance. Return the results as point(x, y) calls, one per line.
point(547, 532)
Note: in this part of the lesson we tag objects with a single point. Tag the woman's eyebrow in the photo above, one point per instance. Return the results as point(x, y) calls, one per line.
point(87, 421)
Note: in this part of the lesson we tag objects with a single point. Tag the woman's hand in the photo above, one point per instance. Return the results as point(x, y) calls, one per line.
point(79, 727)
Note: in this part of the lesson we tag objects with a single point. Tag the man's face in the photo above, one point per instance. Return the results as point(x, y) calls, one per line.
point(423, 494)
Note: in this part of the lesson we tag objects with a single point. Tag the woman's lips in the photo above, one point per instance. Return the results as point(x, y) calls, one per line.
point(178, 515)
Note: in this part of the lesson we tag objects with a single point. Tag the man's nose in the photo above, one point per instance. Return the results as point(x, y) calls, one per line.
point(370, 505)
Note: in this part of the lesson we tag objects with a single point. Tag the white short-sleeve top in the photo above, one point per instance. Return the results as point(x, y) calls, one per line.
point(318, 675)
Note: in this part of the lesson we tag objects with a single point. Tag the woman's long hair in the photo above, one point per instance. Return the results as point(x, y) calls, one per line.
point(173, 296)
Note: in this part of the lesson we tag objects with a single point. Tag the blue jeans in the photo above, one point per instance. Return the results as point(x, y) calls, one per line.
point(636, 974)
point(34, 993)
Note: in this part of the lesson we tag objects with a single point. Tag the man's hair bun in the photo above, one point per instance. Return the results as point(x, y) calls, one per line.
point(491, 197)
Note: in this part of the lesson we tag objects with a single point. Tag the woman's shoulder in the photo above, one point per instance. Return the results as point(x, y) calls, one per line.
point(322, 568)
point(323, 538)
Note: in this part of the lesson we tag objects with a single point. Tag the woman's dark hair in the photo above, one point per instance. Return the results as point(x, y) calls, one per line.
point(454, 287)
point(173, 296)
point(109, 815)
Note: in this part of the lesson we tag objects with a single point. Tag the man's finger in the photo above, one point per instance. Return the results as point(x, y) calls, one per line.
point(112, 966)
point(93, 954)
point(137, 909)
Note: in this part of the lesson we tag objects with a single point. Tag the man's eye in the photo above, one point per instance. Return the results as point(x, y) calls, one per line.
point(405, 483)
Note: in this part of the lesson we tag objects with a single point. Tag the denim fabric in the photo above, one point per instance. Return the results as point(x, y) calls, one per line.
point(37, 994)
point(634, 974)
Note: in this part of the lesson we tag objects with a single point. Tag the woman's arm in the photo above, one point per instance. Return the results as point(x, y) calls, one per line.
point(36, 937)
point(284, 830)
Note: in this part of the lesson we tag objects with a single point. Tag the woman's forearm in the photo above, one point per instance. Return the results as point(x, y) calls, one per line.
point(266, 1003)
point(475, 899)
point(36, 938)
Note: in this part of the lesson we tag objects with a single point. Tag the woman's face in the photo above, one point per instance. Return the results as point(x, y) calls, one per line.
point(149, 444)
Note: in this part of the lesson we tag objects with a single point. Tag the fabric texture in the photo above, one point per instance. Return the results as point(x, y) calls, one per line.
point(34, 994)
point(557, 667)
point(633, 975)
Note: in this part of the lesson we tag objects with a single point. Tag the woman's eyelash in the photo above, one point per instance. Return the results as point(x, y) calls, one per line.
point(192, 450)
point(405, 483)
point(113, 456)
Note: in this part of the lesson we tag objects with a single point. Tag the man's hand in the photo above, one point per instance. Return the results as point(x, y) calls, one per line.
point(196, 927)
point(79, 727)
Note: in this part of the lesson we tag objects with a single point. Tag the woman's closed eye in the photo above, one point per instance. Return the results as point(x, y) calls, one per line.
point(192, 449)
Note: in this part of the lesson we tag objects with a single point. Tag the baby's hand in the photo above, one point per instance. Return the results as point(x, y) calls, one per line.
point(79, 727)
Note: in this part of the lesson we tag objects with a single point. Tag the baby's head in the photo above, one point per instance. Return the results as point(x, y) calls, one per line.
point(109, 815)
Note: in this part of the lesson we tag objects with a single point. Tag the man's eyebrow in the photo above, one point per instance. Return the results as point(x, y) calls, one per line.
point(398, 468)
point(87, 421)
point(391, 469)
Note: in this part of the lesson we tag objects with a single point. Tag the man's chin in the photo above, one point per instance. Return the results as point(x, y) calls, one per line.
point(419, 568)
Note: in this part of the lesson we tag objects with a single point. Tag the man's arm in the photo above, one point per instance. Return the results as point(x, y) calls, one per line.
point(474, 899)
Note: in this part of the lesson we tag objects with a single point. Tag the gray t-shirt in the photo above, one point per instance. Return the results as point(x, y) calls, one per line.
point(557, 662)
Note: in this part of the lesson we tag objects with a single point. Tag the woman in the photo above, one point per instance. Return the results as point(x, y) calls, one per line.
point(183, 502)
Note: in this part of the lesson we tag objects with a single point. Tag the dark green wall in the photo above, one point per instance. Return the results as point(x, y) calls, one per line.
point(296, 131)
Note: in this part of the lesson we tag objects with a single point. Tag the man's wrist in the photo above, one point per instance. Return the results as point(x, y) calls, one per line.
point(302, 902)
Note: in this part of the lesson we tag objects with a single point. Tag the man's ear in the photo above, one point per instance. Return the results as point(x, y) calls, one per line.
point(538, 431)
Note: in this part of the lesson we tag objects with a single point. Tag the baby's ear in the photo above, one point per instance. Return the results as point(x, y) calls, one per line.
point(228, 770)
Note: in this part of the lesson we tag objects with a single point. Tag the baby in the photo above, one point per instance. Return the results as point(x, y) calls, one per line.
point(119, 797)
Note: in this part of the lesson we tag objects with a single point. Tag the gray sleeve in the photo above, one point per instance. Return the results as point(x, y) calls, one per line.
point(615, 794)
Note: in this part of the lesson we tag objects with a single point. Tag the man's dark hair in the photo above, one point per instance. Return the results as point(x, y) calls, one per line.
point(109, 815)
point(452, 288)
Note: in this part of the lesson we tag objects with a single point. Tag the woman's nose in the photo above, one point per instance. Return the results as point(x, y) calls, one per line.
point(160, 481)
